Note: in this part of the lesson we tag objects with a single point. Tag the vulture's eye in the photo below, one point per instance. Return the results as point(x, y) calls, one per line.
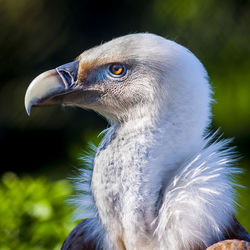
point(117, 70)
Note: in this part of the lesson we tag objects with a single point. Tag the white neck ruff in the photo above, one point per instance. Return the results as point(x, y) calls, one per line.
point(196, 207)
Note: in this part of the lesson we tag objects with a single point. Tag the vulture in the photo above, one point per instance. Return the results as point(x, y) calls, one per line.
point(159, 180)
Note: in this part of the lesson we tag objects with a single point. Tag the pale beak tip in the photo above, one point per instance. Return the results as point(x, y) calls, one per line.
point(28, 108)
point(28, 103)
point(41, 88)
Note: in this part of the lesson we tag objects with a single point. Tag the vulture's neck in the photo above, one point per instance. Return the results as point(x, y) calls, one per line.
point(153, 178)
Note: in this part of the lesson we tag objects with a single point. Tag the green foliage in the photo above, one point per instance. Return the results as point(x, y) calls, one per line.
point(33, 213)
point(243, 209)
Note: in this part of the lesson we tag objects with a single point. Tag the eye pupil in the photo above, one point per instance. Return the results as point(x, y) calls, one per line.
point(117, 69)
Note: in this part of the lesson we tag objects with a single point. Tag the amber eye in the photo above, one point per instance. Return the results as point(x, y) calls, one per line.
point(117, 70)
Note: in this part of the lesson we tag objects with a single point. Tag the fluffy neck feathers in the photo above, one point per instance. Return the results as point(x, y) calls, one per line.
point(155, 187)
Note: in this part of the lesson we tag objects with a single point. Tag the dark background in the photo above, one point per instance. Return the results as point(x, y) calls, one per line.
point(37, 35)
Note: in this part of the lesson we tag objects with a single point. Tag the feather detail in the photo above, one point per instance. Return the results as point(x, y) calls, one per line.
point(83, 201)
point(198, 203)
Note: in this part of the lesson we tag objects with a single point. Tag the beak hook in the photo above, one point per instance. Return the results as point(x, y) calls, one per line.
point(50, 84)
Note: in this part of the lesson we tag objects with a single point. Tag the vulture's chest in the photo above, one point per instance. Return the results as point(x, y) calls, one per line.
point(120, 188)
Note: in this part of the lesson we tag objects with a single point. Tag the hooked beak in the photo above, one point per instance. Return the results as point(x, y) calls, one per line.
point(52, 86)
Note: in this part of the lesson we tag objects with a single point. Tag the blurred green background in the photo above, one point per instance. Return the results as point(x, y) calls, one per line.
point(38, 153)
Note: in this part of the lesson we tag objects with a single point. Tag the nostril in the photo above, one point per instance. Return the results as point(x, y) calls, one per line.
point(67, 77)
point(68, 73)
